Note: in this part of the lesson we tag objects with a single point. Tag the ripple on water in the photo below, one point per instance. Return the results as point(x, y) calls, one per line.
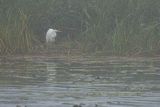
point(112, 82)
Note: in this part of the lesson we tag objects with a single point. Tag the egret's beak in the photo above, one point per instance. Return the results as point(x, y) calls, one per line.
point(58, 30)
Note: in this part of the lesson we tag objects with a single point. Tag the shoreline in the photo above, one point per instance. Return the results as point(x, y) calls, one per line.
point(74, 57)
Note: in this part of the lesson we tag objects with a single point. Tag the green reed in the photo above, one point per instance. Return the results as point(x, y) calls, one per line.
point(15, 36)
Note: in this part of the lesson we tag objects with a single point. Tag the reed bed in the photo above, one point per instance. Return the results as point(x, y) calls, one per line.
point(120, 27)
point(15, 36)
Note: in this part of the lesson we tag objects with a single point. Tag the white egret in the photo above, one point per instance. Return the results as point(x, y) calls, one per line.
point(51, 35)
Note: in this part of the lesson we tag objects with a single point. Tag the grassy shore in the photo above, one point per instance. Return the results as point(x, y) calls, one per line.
point(108, 27)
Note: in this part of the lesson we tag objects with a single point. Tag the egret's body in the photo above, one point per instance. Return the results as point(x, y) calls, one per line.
point(51, 35)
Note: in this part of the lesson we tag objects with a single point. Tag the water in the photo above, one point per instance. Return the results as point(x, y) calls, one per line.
point(90, 81)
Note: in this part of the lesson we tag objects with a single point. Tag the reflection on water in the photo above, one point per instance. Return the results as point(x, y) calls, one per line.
point(106, 82)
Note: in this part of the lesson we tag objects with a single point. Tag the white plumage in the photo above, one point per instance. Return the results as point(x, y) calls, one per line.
point(51, 35)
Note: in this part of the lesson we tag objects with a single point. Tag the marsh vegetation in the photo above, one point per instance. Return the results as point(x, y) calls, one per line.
point(120, 27)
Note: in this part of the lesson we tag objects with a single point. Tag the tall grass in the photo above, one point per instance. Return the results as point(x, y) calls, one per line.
point(123, 27)
point(15, 36)
point(120, 27)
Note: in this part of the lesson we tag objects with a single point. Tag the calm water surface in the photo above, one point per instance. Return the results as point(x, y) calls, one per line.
point(91, 82)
